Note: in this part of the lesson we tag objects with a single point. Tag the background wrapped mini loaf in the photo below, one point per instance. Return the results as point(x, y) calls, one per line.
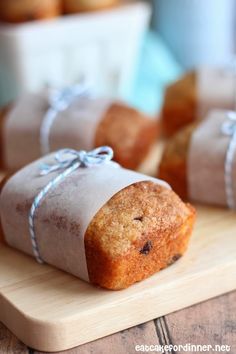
point(86, 123)
point(191, 97)
point(201, 157)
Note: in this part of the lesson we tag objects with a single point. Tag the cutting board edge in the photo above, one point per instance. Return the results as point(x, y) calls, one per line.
point(47, 335)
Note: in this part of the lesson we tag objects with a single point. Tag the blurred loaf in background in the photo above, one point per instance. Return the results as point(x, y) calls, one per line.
point(16, 11)
point(197, 92)
point(173, 166)
point(128, 131)
point(180, 104)
point(199, 161)
point(75, 6)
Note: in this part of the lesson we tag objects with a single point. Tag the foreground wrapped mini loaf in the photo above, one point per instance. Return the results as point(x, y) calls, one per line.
point(87, 216)
point(39, 123)
point(199, 162)
point(191, 98)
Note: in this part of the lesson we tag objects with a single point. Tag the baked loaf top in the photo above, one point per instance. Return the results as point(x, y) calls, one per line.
point(28, 10)
point(73, 6)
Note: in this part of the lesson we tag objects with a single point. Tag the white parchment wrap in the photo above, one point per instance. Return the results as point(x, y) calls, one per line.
point(216, 88)
point(65, 213)
point(73, 128)
point(206, 161)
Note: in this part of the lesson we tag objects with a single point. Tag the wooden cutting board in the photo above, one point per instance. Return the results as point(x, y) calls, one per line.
point(50, 310)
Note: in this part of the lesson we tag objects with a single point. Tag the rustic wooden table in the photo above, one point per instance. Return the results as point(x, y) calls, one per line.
point(212, 322)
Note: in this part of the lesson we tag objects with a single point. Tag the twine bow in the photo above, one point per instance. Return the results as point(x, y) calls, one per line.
point(59, 101)
point(66, 161)
point(229, 128)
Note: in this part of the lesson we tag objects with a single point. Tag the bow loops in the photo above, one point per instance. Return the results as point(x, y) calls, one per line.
point(66, 162)
point(68, 157)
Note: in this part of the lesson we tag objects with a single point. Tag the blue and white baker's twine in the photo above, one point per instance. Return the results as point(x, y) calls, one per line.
point(66, 161)
point(59, 101)
point(229, 128)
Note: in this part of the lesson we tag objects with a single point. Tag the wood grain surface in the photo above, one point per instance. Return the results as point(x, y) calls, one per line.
point(212, 322)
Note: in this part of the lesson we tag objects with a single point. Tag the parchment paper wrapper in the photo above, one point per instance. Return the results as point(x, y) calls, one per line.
point(65, 213)
point(73, 128)
point(216, 88)
point(206, 161)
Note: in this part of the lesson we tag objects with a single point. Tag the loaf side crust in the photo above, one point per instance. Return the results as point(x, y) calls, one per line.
point(3, 114)
point(173, 166)
point(180, 104)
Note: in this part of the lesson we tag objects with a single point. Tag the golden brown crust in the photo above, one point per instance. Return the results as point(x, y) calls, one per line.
point(3, 180)
point(1, 235)
point(173, 166)
point(3, 114)
point(141, 230)
point(180, 104)
point(128, 132)
point(75, 6)
point(16, 11)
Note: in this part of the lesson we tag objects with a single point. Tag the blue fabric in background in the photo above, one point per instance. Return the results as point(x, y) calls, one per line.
point(156, 68)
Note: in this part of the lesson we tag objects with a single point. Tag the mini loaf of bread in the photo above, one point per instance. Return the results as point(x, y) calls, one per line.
point(86, 124)
point(16, 11)
point(74, 6)
point(199, 161)
point(192, 97)
point(141, 229)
